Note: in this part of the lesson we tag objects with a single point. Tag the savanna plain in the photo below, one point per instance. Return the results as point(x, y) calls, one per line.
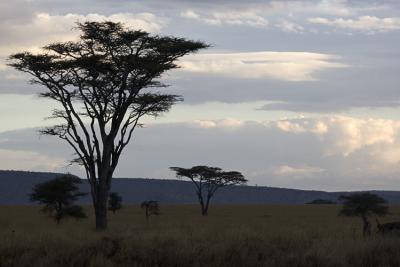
point(231, 235)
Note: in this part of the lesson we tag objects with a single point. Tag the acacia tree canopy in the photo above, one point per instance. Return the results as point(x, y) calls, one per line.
point(208, 180)
point(105, 82)
point(363, 204)
point(58, 196)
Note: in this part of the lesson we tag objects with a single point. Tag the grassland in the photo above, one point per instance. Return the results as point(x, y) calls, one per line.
point(232, 235)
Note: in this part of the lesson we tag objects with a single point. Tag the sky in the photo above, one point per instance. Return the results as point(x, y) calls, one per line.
point(292, 93)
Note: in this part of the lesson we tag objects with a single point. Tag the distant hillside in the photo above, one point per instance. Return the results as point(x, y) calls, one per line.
point(16, 185)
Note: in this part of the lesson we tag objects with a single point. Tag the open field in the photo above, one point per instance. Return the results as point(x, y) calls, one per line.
point(232, 235)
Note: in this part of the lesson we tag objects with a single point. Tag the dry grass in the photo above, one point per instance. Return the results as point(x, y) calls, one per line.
point(232, 235)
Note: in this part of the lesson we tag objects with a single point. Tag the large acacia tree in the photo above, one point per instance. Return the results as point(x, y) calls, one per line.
point(363, 205)
point(105, 83)
point(208, 180)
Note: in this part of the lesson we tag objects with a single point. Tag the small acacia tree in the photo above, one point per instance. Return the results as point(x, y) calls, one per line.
point(58, 196)
point(363, 205)
point(105, 83)
point(208, 180)
point(150, 207)
point(114, 202)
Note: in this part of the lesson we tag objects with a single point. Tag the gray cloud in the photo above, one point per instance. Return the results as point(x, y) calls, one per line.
point(333, 153)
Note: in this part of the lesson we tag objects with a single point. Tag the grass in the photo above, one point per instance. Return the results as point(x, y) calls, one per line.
point(232, 235)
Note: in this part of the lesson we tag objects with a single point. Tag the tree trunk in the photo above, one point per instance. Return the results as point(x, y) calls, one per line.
point(366, 227)
point(101, 216)
point(205, 209)
point(202, 205)
point(58, 212)
point(102, 191)
point(101, 207)
point(147, 215)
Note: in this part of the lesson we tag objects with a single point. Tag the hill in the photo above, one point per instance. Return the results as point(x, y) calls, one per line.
point(16, 185)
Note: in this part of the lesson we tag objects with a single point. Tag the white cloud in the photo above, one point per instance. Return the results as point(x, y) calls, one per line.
point(45, 28)
point(226, 123)
point(231, 17)
point(303, 171)
point(255, 14)
point(190, 14)
point(206, 124)
point(364, 23)
point(345, 135)
point(289, 126)
point(288, 26)
point(289, 66)
point(328, 7)
point(302, 125)
point(259, 14)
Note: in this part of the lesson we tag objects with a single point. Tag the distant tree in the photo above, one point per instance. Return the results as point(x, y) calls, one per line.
point(58, 196)
point(150, 207)
point(208, 180)
point(363, 205)
point(321, 201)
point(114, 202)
point(104, 84)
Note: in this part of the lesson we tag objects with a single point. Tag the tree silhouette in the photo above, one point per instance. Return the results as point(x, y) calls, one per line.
point(363, 205)
point(58, 196)
point(150, 207)
point(320, 201)
point(105, 83)
point(208, 180)
point(114, 202)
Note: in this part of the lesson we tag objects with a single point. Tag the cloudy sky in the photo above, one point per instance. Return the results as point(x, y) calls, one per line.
point(297, 93)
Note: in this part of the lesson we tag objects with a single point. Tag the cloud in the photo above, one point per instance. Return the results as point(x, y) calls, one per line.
point(288, 26)
point(291, 16)
point(288, 66)
point(369, 24)
point(328, 7)
point(334, 153)
point(294, 8)
point(236, 18)
point(226, 123)
point(302, 172)
point(346, 135)
point(29, 160)
point(302, 126)
point(45, 27)
point(373, 63)
point(254, 13)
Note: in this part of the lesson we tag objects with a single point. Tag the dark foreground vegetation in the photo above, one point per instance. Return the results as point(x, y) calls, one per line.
point(233, 235)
